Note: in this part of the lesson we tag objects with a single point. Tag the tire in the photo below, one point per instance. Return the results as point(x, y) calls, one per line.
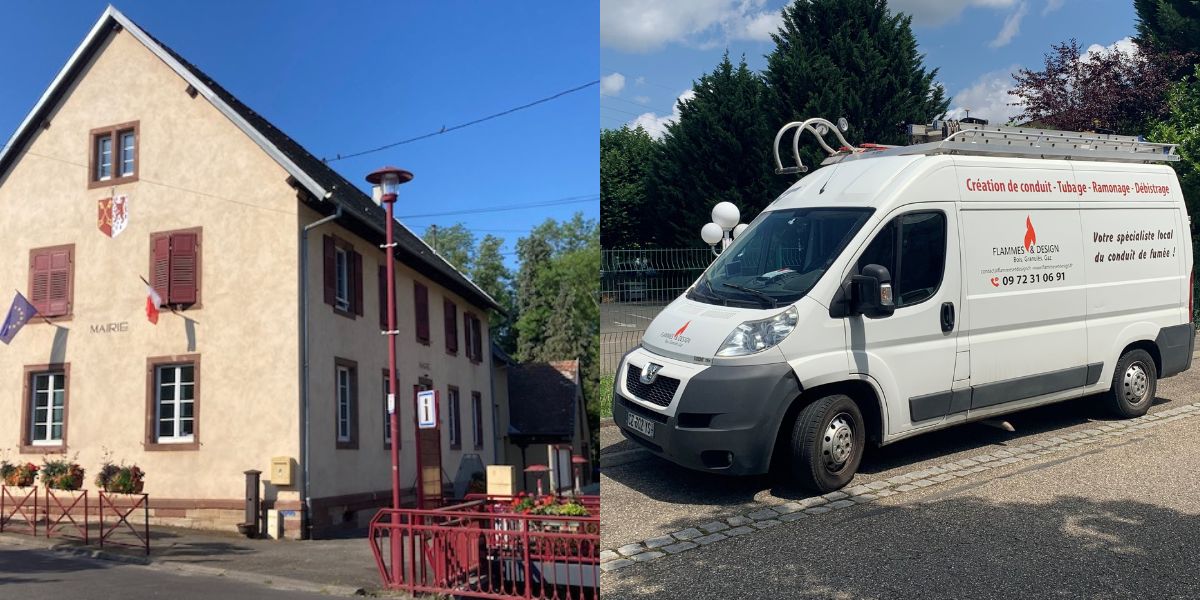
point(1134, 384)
point(827, 443)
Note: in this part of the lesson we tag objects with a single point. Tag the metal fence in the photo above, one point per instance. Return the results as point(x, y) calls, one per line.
point(634, 286)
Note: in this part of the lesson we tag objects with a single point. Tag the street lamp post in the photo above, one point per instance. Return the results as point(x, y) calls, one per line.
point(724, 227)
point(389, 179)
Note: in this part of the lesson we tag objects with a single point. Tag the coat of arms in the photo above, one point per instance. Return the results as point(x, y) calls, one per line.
point(113, 215)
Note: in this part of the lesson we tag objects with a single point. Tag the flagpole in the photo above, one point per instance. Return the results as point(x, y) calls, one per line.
point(36, 314)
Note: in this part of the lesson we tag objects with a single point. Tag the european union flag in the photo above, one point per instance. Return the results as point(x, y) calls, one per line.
point(20, 314)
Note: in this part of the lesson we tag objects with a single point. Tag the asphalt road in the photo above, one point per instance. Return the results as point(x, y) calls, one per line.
point(31, 574)
point(1111, 520)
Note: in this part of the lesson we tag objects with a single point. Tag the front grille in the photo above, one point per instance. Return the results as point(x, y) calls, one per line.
point(660, 392)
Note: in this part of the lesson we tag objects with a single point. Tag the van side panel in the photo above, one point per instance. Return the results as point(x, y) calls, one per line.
point(1137, 258)
point(1025, 295)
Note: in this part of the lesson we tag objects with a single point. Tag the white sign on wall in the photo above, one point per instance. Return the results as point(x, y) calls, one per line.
point(427, 409)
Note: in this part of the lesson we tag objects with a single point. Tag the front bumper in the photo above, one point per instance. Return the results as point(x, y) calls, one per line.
point(722, 419)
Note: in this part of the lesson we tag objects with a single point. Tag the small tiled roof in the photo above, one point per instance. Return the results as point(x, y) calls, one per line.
point(543, 399)
point(367, 218)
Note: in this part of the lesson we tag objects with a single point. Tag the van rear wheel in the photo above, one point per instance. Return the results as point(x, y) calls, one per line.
point(827, 443)
point(1134, 384)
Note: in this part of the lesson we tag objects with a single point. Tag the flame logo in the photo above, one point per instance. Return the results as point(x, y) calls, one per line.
point(682, 329)
point(1030, 234)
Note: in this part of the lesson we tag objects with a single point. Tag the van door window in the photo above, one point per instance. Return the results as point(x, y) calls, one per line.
point(913, 248)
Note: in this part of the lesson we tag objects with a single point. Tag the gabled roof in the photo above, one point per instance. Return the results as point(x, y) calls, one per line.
point(543, 399)
point(326, 189)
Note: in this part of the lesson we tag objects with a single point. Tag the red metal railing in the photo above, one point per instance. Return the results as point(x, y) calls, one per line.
point(479, 549)
point(120, 508)
point(23, 503)
point(61, 510)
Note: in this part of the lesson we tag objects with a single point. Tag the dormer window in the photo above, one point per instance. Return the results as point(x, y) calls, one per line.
point(114, 155)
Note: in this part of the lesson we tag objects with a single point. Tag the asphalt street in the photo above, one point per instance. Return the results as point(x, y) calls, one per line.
point(31, 574)
point(1114, 519)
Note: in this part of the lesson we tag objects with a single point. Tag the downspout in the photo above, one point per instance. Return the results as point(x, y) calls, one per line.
point(306, 525)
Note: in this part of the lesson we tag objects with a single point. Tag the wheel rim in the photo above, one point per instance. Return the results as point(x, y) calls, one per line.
point(1135, 385)
point(837, 444)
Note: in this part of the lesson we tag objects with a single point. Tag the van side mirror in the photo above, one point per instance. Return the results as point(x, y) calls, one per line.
point(871, 292)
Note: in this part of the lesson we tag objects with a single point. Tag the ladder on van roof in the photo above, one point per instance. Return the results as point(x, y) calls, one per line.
point(955, 137)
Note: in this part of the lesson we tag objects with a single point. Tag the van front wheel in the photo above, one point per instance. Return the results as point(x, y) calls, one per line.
point(827, 443)
point(1134, 384)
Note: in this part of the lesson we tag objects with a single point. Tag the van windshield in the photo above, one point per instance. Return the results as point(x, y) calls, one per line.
point(779, 257)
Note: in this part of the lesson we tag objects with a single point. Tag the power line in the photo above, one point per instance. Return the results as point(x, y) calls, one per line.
point(472, 211)
point(463, 125)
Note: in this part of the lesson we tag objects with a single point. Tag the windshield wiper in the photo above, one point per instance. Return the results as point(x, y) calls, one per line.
point(766, 297)
point(711, 293)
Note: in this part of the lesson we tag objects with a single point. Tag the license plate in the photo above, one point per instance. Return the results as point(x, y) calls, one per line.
point(641, 425)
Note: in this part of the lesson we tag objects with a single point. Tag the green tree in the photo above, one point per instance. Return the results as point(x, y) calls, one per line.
point(489, 272)
point(718, 150)
point(557, 289)
point(1182, 127)
point(1165, 26)
point(625, 156)
point(853, 59)
point(455, 243)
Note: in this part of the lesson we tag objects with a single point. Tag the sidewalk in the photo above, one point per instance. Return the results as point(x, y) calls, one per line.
point(342, 567)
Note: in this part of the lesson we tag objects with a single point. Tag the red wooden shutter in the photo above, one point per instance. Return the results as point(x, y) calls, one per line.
point(477, 338)
point(39, 281)
point(421, 303)
point(467, 344)
point(356, 269)
point(382, 297)
point(185, 263)
point(450, 312)
point(330, 273)
point(58, 302)
point(160, 265)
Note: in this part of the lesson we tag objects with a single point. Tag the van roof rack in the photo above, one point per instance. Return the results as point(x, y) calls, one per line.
point(980, 139)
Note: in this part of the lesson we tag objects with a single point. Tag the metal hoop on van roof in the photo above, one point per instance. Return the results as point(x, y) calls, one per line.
point(814, 125)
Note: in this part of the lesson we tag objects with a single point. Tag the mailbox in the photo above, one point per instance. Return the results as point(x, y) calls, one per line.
point(281, 471)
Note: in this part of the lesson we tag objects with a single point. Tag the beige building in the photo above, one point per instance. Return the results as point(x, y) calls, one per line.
point(134, 164)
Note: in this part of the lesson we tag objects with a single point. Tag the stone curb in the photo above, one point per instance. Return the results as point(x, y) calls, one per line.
point(281, 583)
point(767, 516)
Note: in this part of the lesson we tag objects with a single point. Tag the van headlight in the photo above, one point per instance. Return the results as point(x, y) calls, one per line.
point(756, 336)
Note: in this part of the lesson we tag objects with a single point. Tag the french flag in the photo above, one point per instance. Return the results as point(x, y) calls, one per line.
point(153, 301)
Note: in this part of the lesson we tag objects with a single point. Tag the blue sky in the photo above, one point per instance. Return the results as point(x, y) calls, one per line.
point(658, 47)
point(348, 76)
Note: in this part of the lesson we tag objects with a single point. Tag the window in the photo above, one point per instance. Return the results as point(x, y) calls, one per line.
point(45, 408)
point(175, 266)
point(450, 319)
point(127, 146)
point(343, 277)
point(52, 280)
point(345, 383)
point(452, 408)
point(114, 155)
point(477, 418)
point(779, 258)
point(387, 418)
point(173, 402)
point(421, 304)
point(342, 298)
point(474, 336)
point(919, 240)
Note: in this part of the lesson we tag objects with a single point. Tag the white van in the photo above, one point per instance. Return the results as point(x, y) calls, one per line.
point(906, 289)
